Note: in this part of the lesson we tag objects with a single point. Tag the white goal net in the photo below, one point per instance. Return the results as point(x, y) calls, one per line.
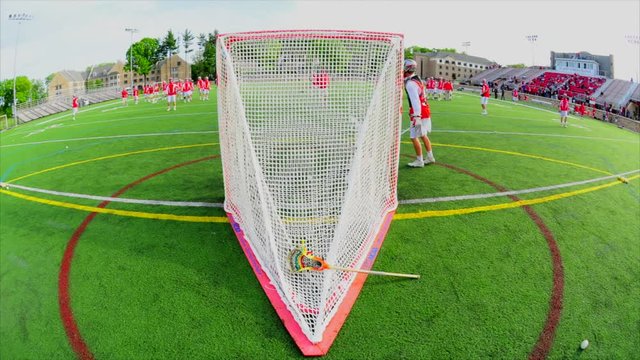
point(309, 135)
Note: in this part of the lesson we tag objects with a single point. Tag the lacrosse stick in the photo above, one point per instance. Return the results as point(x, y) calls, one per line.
point(301, 259)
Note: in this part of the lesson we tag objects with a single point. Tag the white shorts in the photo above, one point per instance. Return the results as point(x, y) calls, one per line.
point(563, 113)
point(515, 98)
point(420, 128)
point(171, 98)
point(75, 110)
point(205, 91)
point(484, 100)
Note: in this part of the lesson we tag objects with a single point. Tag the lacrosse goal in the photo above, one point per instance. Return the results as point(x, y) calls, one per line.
point(309, 136)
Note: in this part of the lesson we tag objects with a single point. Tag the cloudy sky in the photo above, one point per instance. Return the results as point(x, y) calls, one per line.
point(75, 34)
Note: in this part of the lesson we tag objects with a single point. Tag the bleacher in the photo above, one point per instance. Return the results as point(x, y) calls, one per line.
point(615, 93)
point(32, 111)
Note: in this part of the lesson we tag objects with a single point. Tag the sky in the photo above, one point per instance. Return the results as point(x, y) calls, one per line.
point(73, 35)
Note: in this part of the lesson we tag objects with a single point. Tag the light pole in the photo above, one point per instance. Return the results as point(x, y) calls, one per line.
point(532, 39)
point(635, 40)
point(19, 18)
point(131, 30)
point(466, 45)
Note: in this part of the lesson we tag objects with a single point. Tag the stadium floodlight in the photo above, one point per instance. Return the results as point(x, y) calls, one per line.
point(132, 31)
point(532, 39)
point(466, 45)
point(310, 128)
point(19, 18)
point(635, 41)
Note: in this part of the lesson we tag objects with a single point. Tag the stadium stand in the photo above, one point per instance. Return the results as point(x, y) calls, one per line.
point(49, 106)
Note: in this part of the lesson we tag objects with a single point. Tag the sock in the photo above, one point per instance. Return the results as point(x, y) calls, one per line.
point(429, 154)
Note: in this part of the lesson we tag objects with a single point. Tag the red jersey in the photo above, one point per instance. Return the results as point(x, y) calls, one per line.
point(124, 93)
point(171, 89)
point(74, 102)
point(135, 92)
point(207, 85)
point(564, 105)
point(200, 84)
point(425, 110)
point(486, 92)
point(320, 80)
point(448, 86)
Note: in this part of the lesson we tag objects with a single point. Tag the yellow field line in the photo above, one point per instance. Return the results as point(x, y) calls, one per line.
point(138, 214)
point(109, 157)
point(222, 219)
point(510, 205)
point(520, 154)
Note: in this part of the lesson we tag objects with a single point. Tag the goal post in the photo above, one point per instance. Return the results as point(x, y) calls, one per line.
point(309, 136)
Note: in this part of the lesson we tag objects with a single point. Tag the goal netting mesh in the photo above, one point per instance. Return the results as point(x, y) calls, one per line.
point(309, 135)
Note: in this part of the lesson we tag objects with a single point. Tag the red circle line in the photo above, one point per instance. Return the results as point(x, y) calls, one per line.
point(76, 341)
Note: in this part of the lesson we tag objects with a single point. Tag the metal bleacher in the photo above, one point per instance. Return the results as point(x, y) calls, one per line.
point(32, 111)
point(615, 93)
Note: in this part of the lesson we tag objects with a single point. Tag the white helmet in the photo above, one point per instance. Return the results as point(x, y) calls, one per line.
point(410, 65)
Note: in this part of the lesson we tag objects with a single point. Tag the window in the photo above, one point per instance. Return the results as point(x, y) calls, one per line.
point(446, 61)
point(125, 82)
point(440, 61)
point(446, 67)
point(465, 64)
point(447, 74)
point(458, 62)
point(179, 63)
point(440, 72)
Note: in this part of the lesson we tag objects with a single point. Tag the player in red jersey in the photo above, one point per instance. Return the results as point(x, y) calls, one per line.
point(564, 110)
point(135, 95)
point(448, 90)
point(172, 90)
point(125, 96)
point(420, 114)
point(207, 87)
point(74, 106)
point(200, 84)
point(485, 94)
point(514, 93)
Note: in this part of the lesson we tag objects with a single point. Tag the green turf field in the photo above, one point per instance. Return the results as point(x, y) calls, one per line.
point(502, 278)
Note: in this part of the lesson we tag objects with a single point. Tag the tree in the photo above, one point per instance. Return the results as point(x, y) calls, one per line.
point(145, 55)
point(205, 61)
point(517, 66)
point(187, 40)
point(24, 93)
point(408, 52)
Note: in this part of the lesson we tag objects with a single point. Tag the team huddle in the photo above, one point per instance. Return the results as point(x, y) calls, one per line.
point(171, 90)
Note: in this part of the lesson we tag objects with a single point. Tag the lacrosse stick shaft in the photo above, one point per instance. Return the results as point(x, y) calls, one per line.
point(373, 272)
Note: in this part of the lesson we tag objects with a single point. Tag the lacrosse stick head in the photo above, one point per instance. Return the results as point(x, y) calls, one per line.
point(301, 259)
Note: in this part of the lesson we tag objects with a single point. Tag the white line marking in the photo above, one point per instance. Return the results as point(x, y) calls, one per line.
point(515, 192)
point(402, 202)
point(111, 199)
point(114, 137)
point(531, 134)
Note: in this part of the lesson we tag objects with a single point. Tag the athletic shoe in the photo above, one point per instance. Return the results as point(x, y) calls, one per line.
point(430, 160)
point(417, 163)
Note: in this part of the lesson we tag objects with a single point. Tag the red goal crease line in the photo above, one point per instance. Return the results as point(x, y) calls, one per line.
point(307, 347)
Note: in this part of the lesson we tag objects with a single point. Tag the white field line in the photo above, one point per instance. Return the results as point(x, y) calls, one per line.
point(530, 134)
point(113, 137)
point(514, 192)
point(401, 202)
point(112, 199)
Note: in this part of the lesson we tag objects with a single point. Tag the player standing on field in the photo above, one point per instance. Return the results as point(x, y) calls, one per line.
point(125, 95)
point(135, 95)
point(485, 94)
point(172, 90)
point(564, 110)
point(207, 87)
point(419, 112)
point(74, 105)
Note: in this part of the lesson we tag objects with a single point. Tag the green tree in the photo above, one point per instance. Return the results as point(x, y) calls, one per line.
point(205, 61)
point(187, 40)
point(517, 66)
point(23, 91)
point(145, 55)
point(408, 52)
